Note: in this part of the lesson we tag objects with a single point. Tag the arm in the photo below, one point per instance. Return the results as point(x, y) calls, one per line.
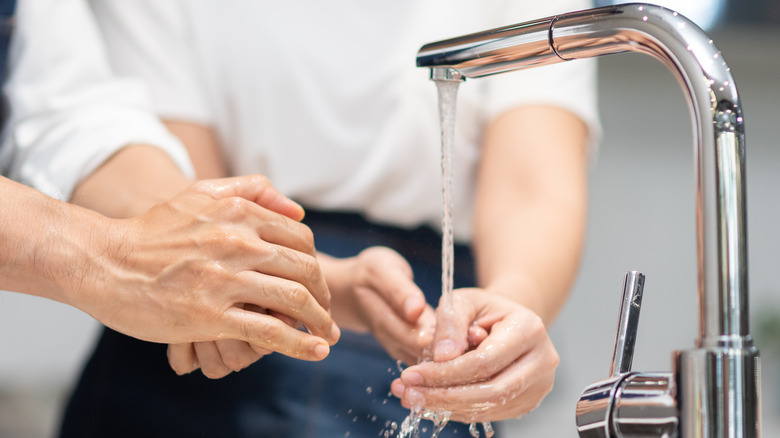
point(45, 243)
point(531, 208)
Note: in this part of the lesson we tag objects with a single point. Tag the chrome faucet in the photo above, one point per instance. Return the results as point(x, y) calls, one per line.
point(713, 390)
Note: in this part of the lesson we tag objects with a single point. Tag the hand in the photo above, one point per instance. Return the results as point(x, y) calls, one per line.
point(505, 376)
point(374, 291)
point(217, 359)
point(185, 271)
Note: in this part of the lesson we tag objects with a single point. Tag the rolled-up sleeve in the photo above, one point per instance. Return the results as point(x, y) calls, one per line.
point(69, 112)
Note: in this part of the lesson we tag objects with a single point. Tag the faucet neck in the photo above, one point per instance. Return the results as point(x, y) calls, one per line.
point(715, 110)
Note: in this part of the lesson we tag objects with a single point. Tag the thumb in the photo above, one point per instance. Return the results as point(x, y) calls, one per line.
point(255, 188)
point(452, 327)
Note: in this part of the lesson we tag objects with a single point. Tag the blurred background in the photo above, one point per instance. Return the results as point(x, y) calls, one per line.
point(641, 218)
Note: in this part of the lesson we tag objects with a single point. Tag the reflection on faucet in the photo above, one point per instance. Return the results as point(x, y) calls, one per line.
point(715, 385)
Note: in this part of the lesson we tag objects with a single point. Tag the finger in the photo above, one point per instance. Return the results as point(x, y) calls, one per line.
point(394, 282)
point(182, 358)
point(279, 261)
point(236, 355)
point(285, 319)
point(476, 335)
point(267, 224)
point(262, 351)
point(255, 188)
point(515, 391)
point(452, 325)
point(403, 341)
point(509, 339)
point(291, 299)
point(273, 334)
point(210, 360)
point(251, 307)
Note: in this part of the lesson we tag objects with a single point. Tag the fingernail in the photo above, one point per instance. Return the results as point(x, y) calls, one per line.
point(444, 349)
point(414, 397)
point(321, 351)
point(411, 306)
point(412, 378)
point(335, 333)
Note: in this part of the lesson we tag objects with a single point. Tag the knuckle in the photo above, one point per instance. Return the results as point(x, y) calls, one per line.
point(235, 207)
point(297, 297)
point(260, 180)
point(306, 236)
point(270, 331)
point(201, 186)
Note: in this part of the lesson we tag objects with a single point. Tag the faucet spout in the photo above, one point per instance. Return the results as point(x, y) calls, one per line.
point(718, 380)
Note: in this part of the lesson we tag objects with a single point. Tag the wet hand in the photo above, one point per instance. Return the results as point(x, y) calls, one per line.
point(188, 268)
point(217, 359)
point(497, 361)
point(375, 292)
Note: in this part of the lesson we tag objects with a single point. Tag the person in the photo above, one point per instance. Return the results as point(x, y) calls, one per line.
point(212, 260)
point(259, 86)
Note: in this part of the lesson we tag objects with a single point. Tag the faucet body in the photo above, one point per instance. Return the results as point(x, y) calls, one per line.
point(714, 386)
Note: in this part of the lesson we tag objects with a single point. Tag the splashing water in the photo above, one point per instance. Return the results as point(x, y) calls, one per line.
point(410, 428)
point(486, 427)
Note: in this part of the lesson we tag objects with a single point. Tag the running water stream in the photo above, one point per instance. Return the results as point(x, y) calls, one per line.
point(448, 92)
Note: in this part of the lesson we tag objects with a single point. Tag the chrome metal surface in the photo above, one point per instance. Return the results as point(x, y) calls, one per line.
point(446, 74)
point(629, 405)
point(645, 406)
point(628, 323)
point(595, 407)
point(718, 380)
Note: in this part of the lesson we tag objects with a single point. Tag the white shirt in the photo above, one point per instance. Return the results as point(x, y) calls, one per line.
point(324, 98)
point(69, 113)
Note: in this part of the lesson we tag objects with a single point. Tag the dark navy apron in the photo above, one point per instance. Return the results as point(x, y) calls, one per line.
point(7, 10)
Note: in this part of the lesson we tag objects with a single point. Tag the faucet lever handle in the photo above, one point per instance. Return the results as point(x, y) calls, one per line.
point(628, 321)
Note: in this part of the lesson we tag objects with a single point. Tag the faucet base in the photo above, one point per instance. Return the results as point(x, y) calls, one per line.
point(718, 391)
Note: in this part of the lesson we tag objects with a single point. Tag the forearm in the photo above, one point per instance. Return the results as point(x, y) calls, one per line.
point(531, 207)
point(129, 183)
point(49, 248)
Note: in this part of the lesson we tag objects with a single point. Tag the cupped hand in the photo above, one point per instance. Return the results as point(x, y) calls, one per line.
point(497, 362)
point(375, 292)
point(199, 267)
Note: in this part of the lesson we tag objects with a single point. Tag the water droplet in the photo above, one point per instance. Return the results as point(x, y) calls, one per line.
point(369, 390)
point(488, 428)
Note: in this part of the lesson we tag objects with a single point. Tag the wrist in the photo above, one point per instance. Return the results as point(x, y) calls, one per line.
point(522, 289)
point(339, 275)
